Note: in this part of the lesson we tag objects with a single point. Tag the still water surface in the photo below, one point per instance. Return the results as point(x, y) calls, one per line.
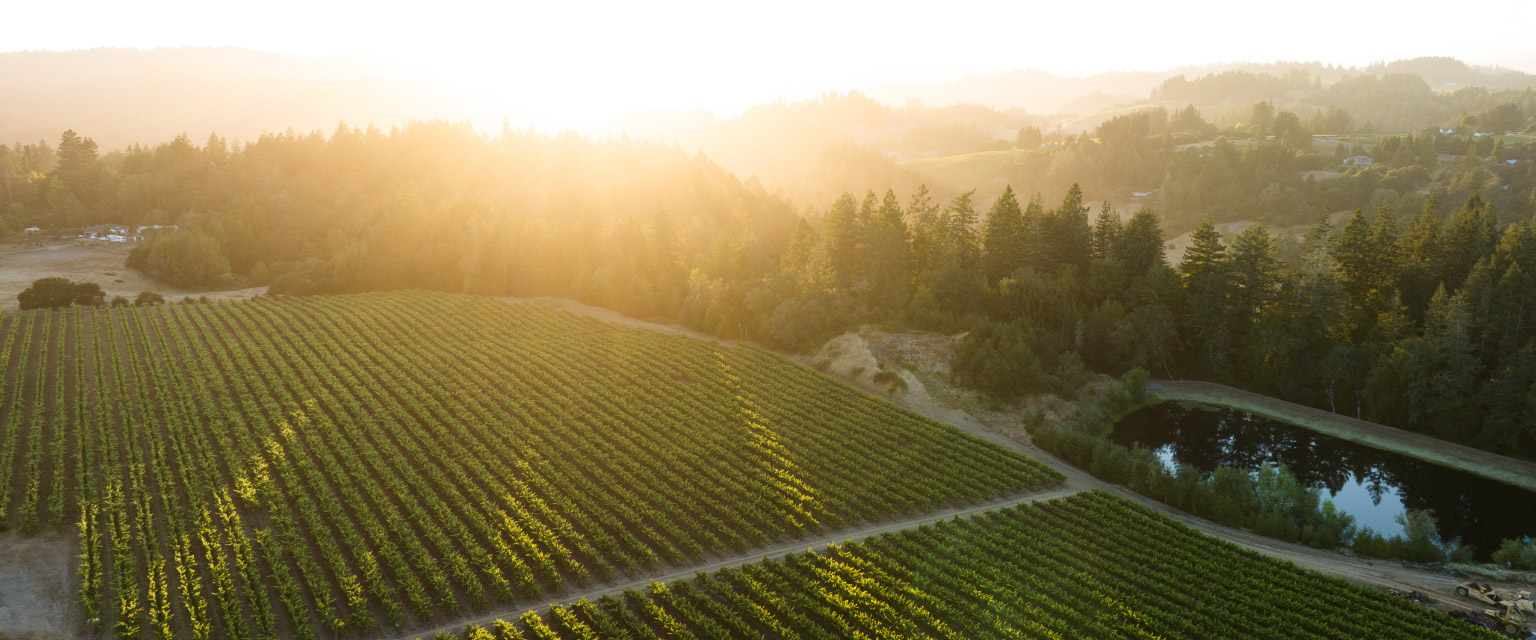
point(1372, 485)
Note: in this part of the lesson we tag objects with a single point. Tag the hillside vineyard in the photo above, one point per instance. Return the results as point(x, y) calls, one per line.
point(338, 465)
point(1088, 566)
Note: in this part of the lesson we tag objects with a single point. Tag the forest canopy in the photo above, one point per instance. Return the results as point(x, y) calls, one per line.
point(1406, 313)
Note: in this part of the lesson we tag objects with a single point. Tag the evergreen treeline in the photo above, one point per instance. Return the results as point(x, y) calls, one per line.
point(1413, 318)
point(1413, 321)
point(431, 205)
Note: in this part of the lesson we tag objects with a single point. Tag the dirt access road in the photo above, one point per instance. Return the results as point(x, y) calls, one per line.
point(101, 263)
point(1377, 573)
point(618, 587)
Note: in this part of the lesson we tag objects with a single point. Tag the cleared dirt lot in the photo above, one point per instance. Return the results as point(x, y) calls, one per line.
point(37, 587)
point(102, 264)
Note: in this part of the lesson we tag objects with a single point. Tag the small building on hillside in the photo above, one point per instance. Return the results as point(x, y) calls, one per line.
point(1359, 161)
point(103, 230)
point(146, 231)
point(1142, 194)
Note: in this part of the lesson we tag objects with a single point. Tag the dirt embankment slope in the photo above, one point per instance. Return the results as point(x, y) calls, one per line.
point(1520, 473)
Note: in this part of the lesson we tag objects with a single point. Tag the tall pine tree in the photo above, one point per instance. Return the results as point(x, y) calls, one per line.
point(1204, 269)
point(840, 241)
point(1106, 233)
point(1004, 243)
point(960, 228)
point(890, 275)
point(1066, 236)
point(1141, 243)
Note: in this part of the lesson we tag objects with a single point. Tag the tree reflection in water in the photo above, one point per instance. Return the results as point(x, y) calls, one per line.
point(1370, 484)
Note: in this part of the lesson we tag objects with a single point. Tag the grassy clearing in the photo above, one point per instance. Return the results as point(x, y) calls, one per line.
point(969, 170)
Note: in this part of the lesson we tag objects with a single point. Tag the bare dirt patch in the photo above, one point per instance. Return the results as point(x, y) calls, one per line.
point(875, 360)
point(99, 263)
point(36, 587)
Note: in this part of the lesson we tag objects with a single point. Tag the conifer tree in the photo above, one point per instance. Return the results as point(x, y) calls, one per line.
point(1255, 271)
point(840, 240)
point(1141, 243)
point(1106, 233)
point(927, 229)
point(1421, 254)
point(1066, 235)
point(1206, 256)
point(960, 227)
point(1204, 270)
point(890, 272)
point(1004, 241)
point(1353, 250)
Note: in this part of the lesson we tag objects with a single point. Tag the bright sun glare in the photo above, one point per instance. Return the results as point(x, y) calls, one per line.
point(575, 64)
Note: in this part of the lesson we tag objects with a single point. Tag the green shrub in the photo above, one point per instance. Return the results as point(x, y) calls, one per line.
point(1517, 554)
point(53, 293)
point(1270, 501)
point(1135, 382)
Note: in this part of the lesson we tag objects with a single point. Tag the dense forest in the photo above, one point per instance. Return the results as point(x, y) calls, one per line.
point(1410, 312)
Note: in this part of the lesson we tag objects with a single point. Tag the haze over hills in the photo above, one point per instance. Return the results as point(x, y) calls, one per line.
point(120, 97)
point(124, 96)
point(810, 149)
point(1043, 92)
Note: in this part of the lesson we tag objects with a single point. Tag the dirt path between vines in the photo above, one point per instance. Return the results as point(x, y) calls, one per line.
point(609, 315)
point(757, 555)
point(1520, 473)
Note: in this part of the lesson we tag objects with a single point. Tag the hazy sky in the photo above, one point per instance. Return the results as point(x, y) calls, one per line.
point(567, 61)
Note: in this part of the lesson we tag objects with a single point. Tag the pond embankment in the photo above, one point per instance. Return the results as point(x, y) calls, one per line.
point(1513, 471)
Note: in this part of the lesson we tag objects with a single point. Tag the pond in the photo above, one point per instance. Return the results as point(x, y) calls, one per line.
point(1370, 484)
